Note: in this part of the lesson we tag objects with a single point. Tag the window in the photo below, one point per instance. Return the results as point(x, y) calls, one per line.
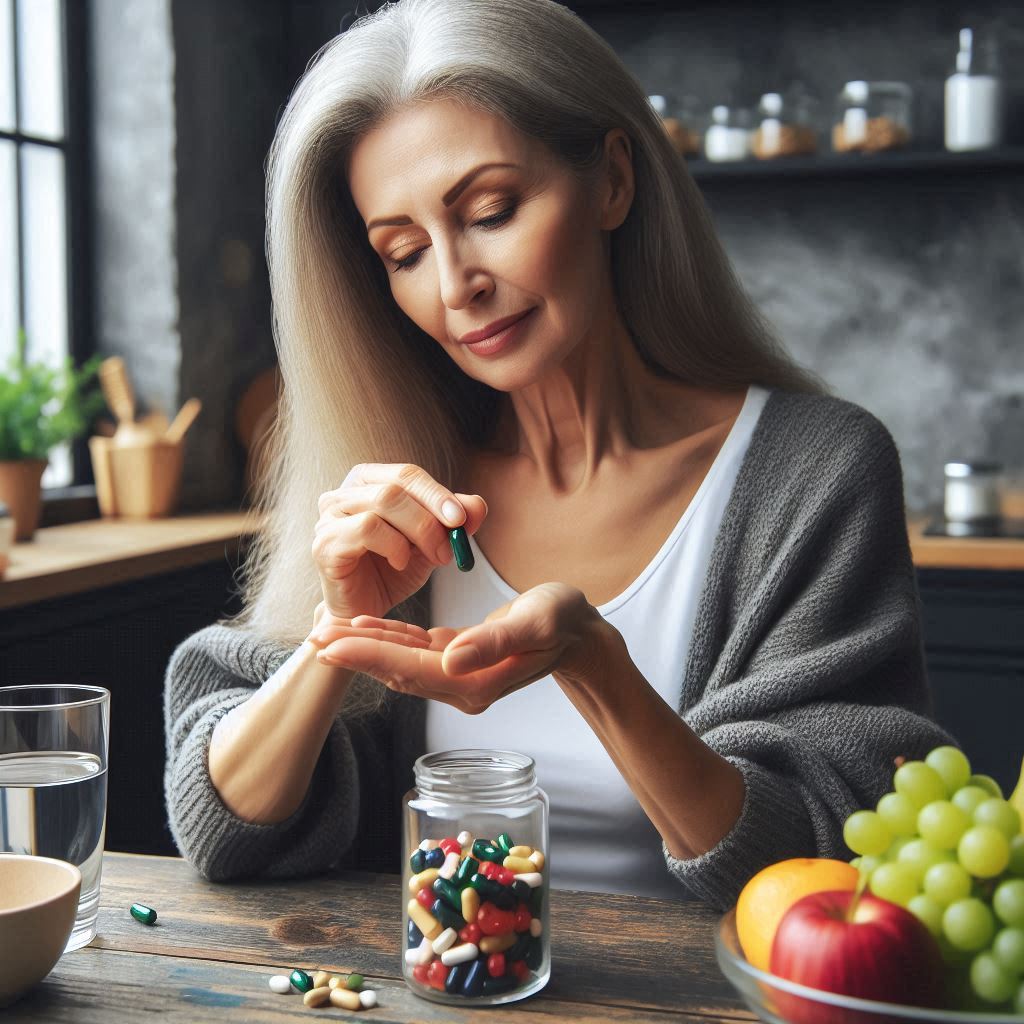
point(41, 213)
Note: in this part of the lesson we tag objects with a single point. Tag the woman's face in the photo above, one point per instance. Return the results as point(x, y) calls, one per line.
point(467, 247)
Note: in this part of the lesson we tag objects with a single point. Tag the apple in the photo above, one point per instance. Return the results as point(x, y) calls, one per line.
point(854, 944)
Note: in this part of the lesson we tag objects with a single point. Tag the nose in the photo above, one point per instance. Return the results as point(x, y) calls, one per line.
point(461, 278)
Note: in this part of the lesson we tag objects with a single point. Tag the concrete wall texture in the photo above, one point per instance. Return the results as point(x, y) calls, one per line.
point(903, 291)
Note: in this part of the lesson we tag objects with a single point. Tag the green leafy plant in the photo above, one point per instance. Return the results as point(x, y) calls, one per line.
point(41, 406)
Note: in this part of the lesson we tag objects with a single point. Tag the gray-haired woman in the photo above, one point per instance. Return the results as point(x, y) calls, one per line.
point(694, 603)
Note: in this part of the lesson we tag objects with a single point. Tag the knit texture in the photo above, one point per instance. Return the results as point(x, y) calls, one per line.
point(806, 671)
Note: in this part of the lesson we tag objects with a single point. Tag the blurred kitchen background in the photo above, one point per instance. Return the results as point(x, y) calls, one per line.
point(131, 197)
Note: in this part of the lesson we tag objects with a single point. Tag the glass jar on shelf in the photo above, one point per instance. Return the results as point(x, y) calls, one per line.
point(682, 120)
point(785, 126)
point(728, 135)
point(872, 117)
point(475, 879)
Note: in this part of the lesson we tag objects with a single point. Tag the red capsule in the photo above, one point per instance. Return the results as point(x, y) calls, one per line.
point(493, 921)
point(419, 972)
point(523, 918)
point(471, 933)
point(426, 897)
point(496, 965)
point(450, 845)
point(504, 877)
point(519, 969)
point(487, 868)
point(436, 974)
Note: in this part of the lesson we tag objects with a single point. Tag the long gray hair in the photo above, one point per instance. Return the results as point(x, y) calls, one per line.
point(362, 383)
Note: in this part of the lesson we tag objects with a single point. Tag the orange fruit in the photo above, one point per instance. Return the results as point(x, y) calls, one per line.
point(774, 889)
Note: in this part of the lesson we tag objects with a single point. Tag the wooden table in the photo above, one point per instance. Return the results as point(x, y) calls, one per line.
point(208, 957)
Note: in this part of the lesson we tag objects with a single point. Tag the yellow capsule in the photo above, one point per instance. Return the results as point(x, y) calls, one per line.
point(425, 920)
point(345, 998)
point(520, 851)
point(538, 858)
point(497, 943)
point(320, 979)
point(422, 880)
point(470, 904)
point(520, 865)
point(317, 996)
point(335, 980)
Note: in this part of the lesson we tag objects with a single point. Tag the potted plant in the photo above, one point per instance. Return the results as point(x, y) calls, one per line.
point(41, 406)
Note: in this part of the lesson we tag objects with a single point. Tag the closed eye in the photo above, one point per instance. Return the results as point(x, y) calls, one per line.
point(410, 261)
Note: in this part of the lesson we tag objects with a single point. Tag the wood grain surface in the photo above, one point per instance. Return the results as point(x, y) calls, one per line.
point(615, 958)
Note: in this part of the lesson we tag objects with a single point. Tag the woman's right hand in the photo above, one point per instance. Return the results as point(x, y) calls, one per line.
point(382, 533)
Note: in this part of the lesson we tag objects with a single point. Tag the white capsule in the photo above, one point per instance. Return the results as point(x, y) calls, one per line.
point(426, 951)
point(460, 954)
point(429, 844)
point(367, 998)
point(450, 865)
point(445, 940)
point(465, 838)
point(538, 858)
point(280, 984)
point(531, 878)
point(536, 926)
point(412, 956)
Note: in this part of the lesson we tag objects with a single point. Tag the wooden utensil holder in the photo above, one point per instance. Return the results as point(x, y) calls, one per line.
point(137, 481)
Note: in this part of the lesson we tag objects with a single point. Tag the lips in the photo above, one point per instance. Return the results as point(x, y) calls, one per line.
point(492, 328)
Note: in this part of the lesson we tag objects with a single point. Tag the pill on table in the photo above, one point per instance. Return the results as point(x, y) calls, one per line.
point(367, 998)
point(445, 940)
point(345, 998)
point(142, 913)
point(317, 996)
point(460, 954)
point(459, 540)
point(336, 979)
point(321, 978)
point(280, 984)
point(354, 982)
point(301, 980)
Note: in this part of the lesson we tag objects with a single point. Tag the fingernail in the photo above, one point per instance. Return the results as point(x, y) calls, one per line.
point(463, 659)
point(452, 512)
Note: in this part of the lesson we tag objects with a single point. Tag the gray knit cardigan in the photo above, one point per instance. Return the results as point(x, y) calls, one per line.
point(805, 670)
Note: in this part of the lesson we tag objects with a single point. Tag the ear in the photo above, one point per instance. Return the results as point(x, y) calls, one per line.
point(617, 182)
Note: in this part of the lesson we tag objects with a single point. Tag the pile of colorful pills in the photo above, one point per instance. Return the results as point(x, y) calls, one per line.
point(474, 920)
point(321, 988)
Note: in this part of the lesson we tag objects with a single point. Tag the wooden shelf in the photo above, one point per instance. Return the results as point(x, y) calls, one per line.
point(77, 557)
point(937, 163)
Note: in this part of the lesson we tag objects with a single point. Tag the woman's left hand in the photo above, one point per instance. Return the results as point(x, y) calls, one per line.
point(551, 628)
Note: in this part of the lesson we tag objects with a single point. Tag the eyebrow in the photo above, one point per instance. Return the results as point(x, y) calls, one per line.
point(448, 198)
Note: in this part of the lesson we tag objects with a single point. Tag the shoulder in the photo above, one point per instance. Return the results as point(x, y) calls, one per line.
point(223, 650)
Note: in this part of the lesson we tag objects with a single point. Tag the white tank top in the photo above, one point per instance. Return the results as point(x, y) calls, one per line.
point(601, 839)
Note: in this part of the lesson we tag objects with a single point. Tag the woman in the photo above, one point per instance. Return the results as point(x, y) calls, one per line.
point(693, 601)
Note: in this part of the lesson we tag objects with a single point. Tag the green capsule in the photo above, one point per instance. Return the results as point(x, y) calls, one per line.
point(301, 980)
point(459, 540)
point(449, 918)
point(484, 849)
point(505, 843)
point(467, 869)
point(143, 914)
point(448, 892)
point(354, 982)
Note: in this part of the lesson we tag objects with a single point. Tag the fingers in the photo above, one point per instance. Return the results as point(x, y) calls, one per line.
point(328, 634)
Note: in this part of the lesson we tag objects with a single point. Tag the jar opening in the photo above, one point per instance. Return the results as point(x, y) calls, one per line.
point(477, 772)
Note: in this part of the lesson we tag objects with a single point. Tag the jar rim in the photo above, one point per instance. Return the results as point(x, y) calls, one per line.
point(478, 769)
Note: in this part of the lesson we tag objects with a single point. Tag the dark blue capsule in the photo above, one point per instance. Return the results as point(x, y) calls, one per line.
point(448, 917)
point(474, 982)
point(434, 858)
point(505, 983)
point(459, 540)
point(535, 954)
point(418, 861)
point(521, 890)
point(517, 951)
point(415, 935)
point(456, 976)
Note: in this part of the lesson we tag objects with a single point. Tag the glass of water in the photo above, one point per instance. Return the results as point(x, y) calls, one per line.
point(53, 783)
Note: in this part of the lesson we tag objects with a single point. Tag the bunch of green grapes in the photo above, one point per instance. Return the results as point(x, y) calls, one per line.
point(948, 847)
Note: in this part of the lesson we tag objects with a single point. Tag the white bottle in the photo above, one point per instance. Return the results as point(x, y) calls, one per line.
point(728, 136)
point(974, 103)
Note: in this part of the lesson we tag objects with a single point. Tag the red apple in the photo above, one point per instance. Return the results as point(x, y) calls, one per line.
point(867, 947)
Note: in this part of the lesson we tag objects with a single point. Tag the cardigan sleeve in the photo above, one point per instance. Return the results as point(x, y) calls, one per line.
point(819, 680)
point(211, 672)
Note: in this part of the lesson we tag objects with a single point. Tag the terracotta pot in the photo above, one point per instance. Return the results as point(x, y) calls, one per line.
point(21, 492)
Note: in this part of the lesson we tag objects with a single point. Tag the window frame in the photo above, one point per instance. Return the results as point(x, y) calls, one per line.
point(76, 500)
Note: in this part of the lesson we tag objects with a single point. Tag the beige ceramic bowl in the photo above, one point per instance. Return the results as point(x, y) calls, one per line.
point(38, 903)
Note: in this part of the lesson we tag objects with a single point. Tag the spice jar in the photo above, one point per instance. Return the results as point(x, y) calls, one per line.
point(871, 117)
point(475, 879)
point(681, 120)
point(728, 135)
point(785, 127)
point(974, 97)
point(972, 492)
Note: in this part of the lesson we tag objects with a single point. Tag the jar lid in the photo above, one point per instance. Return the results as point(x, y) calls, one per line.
point(963, 469)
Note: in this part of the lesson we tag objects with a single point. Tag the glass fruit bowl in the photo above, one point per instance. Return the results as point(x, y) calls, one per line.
point(778, 1001)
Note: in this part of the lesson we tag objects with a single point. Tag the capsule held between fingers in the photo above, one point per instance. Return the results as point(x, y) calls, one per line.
point(459, 540)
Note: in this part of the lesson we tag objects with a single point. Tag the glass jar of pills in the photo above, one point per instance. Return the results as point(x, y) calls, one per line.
point(871, 117)
point(728, 135)
point(785, 127)
point(475, 878)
